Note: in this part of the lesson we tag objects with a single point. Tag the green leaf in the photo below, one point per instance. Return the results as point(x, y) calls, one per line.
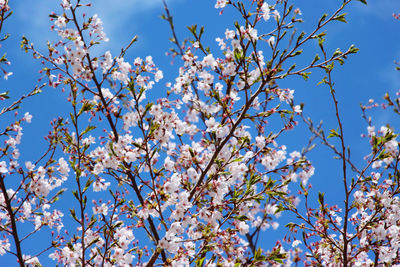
point(73, 215)
point(75, 193)
point(382, 155)
point(86, 106)
point(72, 118)
point(321, 43)
point(200, 262)
point(333, 133)
point(323, 81)
point(304, 189)
point(321, 198)
point(301, 36)
point(3, 58)
point(363, 1)
point(341, 17)
point(353, 49)
point(305, 75)
point(337, 52)
point(258, 255)
point(238, 54)
point(320, 35)
point(291, 68)
point(201, 31)
point(322, 18)
point(84, 201)
point(193, 29)
point(88, 129)
point(24, 44)
point(316, 58)
point(148, 107)
point(88, 184)
point(298, 52)
point(93, 220)
point(242, 218)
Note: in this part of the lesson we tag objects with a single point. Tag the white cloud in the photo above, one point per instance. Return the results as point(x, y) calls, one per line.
point(383, 9)
point(117, 16)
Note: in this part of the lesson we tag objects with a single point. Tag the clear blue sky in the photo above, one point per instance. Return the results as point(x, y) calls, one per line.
point(368, 74)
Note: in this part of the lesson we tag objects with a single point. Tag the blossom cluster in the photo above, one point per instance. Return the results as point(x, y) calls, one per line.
point(199, 167)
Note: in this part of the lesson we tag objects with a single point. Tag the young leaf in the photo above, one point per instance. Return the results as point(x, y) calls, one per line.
point(333, 133)
point(341, 18)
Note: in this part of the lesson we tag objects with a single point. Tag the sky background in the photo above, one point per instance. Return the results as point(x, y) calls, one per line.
point(368, 74)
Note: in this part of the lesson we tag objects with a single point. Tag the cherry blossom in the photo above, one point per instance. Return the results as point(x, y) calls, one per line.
point(198, 165)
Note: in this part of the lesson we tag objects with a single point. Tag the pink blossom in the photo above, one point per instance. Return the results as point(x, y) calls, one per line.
point(220, 4)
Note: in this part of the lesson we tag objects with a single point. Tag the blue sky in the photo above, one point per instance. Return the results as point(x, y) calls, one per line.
point(368, 74)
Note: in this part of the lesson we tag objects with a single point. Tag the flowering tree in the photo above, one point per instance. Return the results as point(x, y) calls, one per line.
point(200, 171)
